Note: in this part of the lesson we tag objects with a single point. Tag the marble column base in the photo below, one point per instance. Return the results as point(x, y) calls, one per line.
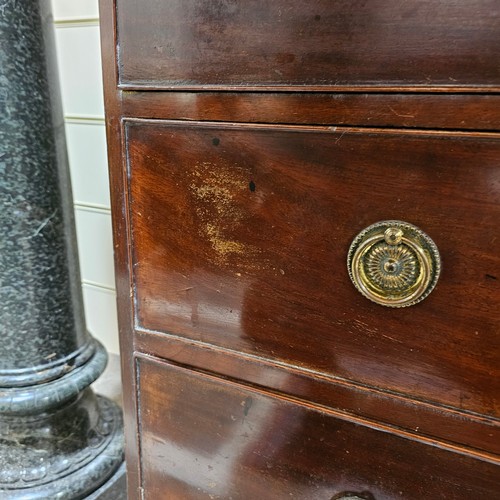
point(114, 489)
point(58, 440)
point(66, 444)
point(65, 455)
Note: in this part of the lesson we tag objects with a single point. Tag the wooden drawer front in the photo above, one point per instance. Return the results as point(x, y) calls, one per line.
point(240, 236)
point(202, 437)
point(323, 43)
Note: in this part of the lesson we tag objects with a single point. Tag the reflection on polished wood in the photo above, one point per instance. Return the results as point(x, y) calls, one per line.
point(263, 272)
point(376, 45)
point(203, 437)
point(249, 143)
point(477, 111)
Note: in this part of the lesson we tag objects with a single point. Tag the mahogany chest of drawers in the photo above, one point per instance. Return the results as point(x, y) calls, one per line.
point(250, 142)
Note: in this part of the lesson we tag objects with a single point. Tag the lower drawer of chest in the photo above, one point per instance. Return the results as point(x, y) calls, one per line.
point(204, 437)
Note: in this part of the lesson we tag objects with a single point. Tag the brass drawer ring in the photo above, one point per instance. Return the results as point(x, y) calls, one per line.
point(394, 263)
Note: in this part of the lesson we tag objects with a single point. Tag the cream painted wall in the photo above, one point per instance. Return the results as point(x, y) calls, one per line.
point(76, 25)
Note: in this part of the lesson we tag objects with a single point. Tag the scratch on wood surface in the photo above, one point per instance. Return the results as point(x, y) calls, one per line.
point(365, 327)
point(392, 338)
point(340, 137)
point(400, 114)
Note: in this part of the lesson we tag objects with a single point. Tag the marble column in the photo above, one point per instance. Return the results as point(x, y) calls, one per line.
point(57, 438)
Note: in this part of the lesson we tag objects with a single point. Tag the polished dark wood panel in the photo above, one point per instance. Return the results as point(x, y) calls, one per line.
point(203, 437)
point(230, 245)
point(240, 237)
point(476, 111)
point(120, 223)
point(476, 435)
point(286, 43)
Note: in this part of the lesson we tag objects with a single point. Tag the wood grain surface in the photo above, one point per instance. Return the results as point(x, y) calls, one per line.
point(241, 233)
point(203, 437)
point(455, 430)
point(328, 44)
point(448, 111)
point(248, 143)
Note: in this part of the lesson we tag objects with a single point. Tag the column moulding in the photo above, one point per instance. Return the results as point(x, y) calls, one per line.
point(57, 438)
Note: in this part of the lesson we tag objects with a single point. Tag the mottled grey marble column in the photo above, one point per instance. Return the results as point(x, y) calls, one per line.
point(57, 439)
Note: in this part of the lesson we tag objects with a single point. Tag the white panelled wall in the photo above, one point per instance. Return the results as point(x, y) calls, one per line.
point(76, 25)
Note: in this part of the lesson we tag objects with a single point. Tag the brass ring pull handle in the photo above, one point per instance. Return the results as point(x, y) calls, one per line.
point(353, 496)
point(348, 497)
point(394, 263)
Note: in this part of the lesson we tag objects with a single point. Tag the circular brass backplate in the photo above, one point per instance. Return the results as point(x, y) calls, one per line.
point(394, 263)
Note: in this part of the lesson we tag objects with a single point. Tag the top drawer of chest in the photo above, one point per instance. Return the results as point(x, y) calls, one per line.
point(320, 44)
